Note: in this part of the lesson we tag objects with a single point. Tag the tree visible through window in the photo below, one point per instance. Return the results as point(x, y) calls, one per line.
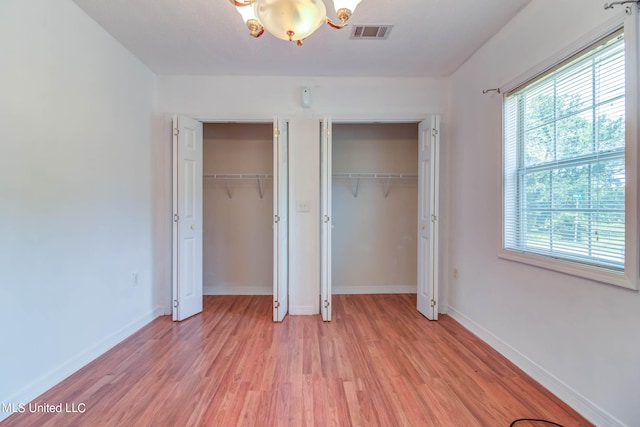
point(564, 160)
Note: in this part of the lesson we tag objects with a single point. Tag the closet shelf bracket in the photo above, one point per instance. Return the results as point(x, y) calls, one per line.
point(386, 187)
point(355, 193)
point(259, 186)
point(226, 183)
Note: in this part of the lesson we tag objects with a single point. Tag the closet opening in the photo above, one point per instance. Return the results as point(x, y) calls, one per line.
point(230, 211)
point(237, 209)
point(374, 208)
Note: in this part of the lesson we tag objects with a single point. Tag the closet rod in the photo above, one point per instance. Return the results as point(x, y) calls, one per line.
point(376, 175)
point(237, 176)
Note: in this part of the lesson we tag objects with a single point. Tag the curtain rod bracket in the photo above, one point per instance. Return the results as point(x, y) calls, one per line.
point(497, 90)
point(620, 3)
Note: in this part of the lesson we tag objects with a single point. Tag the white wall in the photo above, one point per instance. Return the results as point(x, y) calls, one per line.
point(374, 237)
point(85, 202)
point(75, 194)
point(578, 337)
point(238, 230)
point(259, 98)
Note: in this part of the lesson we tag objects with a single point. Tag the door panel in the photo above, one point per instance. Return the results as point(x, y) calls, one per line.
point(325, 196)
point(187, 225)
point(281, 219)
point(427, 292)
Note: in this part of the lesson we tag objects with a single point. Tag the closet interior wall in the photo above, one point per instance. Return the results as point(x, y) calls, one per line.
point(374, 243)
point(238, 209)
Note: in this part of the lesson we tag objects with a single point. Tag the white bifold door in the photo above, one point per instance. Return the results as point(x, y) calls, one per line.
point(325, 212)
point(428, 182)
point(427, 286)
point(187, 218)
point(280, 219)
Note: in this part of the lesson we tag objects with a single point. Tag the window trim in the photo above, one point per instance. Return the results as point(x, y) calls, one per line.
point(629, 278)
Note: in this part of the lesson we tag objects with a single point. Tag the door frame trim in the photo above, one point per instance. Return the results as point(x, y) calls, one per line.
point(167, 290)
point(399, 118)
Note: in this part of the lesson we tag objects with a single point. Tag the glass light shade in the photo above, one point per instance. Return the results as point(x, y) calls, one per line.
point(346, 4)
point(247, 12)
point(291, 19)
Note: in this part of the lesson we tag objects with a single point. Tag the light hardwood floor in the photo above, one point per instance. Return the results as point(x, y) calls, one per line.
point(378, 363)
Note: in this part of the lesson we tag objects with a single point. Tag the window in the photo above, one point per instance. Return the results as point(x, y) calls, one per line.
point(564, 161)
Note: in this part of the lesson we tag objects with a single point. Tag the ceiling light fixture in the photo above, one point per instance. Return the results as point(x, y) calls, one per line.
point(292, 20)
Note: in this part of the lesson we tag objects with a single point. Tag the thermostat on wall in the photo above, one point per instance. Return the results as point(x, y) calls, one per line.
point(306, 97)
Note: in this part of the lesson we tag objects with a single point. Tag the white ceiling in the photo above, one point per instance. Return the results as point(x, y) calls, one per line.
point(430, 38)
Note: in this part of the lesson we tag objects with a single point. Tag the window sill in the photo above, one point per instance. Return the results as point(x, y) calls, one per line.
point(601, 275)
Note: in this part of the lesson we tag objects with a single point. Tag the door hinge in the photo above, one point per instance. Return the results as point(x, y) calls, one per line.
point(326, 303)
point(432, 303)
point(175, 217)
point(276, 304)
point(434, 132)
point(176, 303)
point(276, 132)
point(433, 218)
point(276, 219)
point(326, 218)
point(176, 131)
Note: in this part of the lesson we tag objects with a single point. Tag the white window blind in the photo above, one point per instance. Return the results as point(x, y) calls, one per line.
point(564, 160)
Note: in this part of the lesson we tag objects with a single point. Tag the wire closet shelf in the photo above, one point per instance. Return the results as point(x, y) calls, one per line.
point(226, 177)
point(387, 177)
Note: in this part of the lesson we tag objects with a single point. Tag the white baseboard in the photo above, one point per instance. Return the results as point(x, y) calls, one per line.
point(373, 289)
point(303, 311)
point(563, 391)
point(237, 290)
point(47, 381)
point(443, 310)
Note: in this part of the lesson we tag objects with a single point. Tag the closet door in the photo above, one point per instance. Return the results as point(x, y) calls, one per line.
point(280, 219)
point(428, 217)
point(187, 218)
point(325, 196)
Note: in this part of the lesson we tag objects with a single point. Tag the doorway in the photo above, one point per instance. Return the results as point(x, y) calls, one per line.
point(230, 212)
point(379, 210)
point(374, 208)
point(237, 209)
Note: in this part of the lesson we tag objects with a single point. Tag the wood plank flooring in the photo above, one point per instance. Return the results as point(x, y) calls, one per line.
point(378, 363)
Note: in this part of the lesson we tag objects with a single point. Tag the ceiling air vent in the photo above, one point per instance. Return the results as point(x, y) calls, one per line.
point(371, 32)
